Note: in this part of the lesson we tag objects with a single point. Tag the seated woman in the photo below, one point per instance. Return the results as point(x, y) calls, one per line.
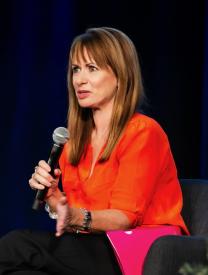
point(117, 169)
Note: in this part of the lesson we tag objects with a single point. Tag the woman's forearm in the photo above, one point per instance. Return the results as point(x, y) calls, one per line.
point(102, 220)
point(71, 219)
point(109, 219)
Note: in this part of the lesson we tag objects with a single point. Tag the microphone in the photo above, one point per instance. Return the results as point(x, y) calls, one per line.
point(60, 137)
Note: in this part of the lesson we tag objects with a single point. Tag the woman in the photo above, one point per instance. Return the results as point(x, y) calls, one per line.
point(117, 168)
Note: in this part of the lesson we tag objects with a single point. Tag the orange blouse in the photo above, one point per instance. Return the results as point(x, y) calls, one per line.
point(140, 177)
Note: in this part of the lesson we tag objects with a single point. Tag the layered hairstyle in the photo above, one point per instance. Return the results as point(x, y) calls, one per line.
point(108, 47)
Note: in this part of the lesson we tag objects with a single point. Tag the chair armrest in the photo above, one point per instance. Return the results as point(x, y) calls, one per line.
point(168, 253)
point(131, 246)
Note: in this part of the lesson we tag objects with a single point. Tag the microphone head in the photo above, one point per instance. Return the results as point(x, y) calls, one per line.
point(60, 135)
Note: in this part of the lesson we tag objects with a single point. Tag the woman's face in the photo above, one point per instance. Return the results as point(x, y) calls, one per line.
point(95, 87)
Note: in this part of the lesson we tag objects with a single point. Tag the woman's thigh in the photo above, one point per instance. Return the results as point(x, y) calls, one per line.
point(75, 254)
point(25, 250)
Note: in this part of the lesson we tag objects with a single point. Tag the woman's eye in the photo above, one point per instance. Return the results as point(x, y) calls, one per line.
point(92, 68)
point(75, 69)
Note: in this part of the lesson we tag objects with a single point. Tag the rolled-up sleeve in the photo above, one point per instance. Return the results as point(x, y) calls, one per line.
point(141, 157)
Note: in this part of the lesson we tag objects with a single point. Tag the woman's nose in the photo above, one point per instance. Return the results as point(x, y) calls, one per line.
point(81, 78)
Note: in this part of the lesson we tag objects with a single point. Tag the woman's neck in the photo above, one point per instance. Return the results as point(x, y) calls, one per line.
point(102, 119)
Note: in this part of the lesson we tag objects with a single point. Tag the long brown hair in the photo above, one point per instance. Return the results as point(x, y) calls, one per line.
point(108, 47)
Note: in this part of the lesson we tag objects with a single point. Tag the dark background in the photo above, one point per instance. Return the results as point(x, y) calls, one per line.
point(35, 36)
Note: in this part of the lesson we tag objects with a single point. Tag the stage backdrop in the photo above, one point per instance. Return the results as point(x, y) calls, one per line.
point(35, 38)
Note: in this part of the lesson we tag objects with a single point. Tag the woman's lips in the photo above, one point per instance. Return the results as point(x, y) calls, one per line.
point(83, 94)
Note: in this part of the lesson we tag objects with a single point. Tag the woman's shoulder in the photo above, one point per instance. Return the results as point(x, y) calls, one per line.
point(140, 122)
point(143, 128)
point(143, 131)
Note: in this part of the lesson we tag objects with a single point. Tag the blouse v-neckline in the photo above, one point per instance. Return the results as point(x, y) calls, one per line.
point(87, 169)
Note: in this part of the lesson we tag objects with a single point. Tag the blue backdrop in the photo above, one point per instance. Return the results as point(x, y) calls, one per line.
point(36, 37)
point(35, 40)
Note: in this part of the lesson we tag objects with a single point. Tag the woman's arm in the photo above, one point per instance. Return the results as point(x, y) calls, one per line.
point(71, 219)
point(68, 217)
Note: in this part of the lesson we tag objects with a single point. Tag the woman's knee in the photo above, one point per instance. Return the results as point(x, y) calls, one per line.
point(11, 236)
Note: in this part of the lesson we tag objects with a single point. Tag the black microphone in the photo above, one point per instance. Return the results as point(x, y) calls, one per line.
point(60, 137)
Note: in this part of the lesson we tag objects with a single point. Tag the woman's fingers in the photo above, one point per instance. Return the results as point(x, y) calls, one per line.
point(40, 171)
point(35, 185)
point(44, 165)
point(41, 177)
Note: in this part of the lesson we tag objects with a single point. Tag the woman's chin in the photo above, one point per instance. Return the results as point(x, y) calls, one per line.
point(85, 104)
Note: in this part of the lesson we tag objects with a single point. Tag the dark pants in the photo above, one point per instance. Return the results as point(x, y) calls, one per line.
point(25, 252)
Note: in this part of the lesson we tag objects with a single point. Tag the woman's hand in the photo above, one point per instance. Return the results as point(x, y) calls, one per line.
point(69, 219)
point(41, 178)
point(64, 217)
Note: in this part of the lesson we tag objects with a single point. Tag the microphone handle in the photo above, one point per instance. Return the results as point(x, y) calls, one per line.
point(53, 163)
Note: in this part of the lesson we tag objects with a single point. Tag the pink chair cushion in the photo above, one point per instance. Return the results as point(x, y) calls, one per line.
point(131, 246)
